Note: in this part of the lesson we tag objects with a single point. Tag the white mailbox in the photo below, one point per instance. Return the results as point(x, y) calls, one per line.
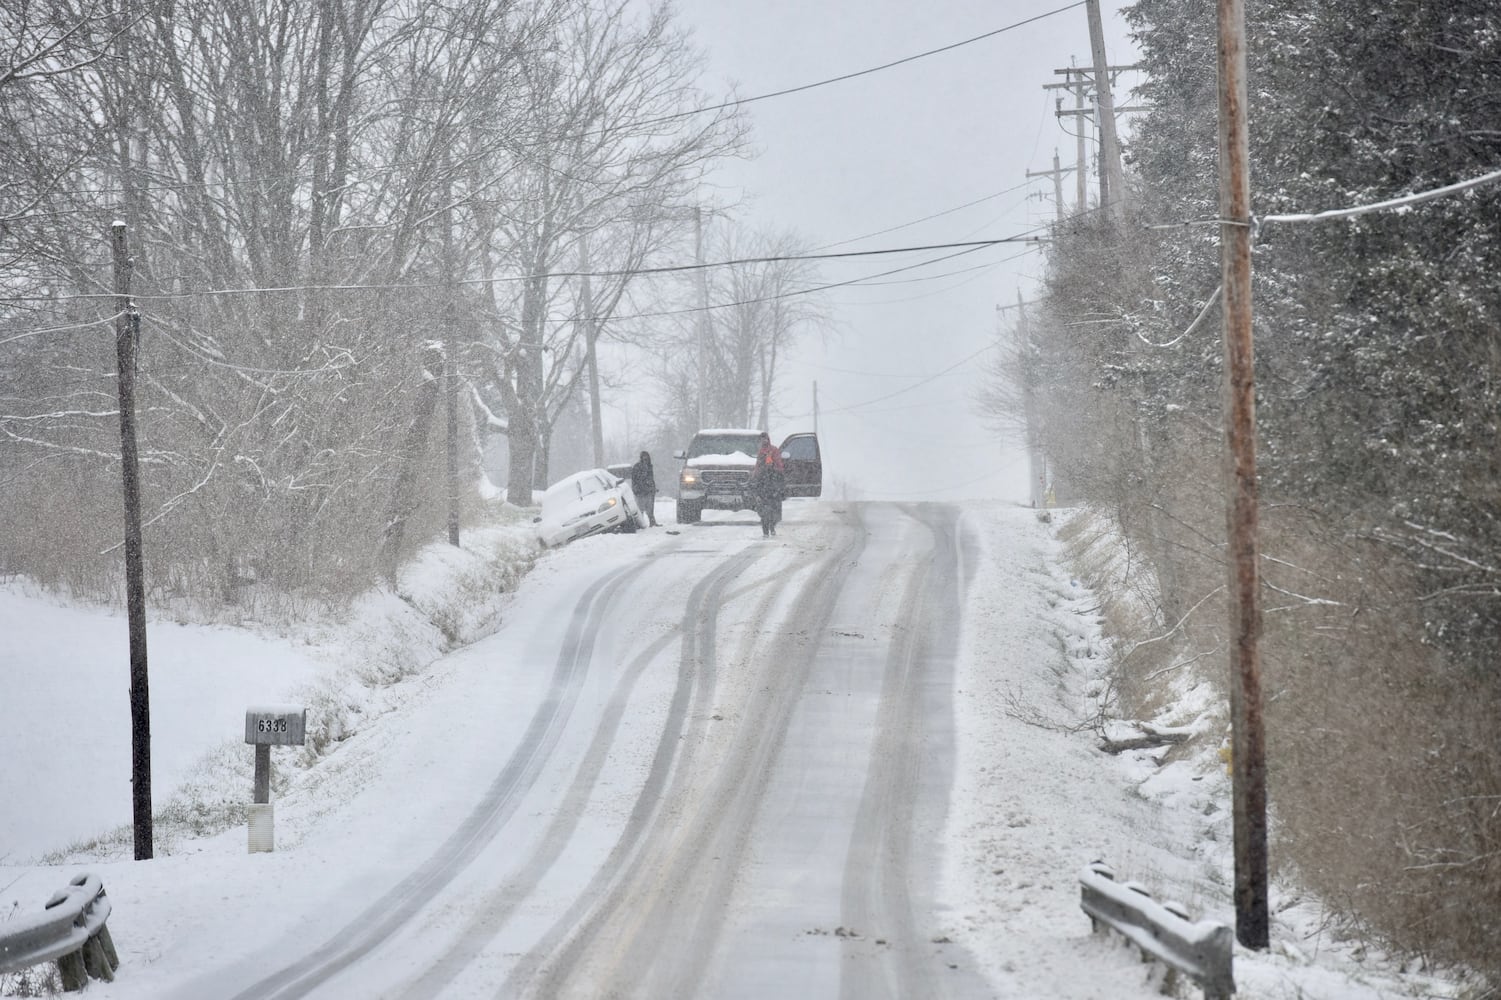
point(268, 726)
point(276, 725)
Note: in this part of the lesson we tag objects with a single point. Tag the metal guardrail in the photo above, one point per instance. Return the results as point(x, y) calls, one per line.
point(1203, 951)
point(69, 931)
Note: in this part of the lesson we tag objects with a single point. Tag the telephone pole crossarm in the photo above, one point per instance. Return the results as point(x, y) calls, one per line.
point(1090, 113)
point(1082, 78)
point(1057, 174)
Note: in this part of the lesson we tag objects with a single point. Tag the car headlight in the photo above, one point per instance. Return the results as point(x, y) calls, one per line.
point(688, 478)
point(606, 505)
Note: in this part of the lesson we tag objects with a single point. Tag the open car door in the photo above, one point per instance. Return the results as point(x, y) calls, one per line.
point(804, 464)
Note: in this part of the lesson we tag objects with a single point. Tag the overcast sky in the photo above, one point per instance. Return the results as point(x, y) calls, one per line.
point(864, 155)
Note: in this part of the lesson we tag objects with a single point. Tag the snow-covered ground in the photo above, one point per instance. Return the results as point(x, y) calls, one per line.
point(1047, 801)
point(65, 714)
point(1034, 801)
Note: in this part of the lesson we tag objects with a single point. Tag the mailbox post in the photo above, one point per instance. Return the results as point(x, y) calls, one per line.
point(267, 726)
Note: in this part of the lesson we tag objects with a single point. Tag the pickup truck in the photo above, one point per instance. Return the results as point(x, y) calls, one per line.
point(717, 466)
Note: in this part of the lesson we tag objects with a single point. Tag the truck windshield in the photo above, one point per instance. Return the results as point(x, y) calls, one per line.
point(725, 444)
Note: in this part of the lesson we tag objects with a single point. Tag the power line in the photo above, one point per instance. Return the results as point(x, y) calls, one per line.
point(866, 282)
point(666, 269)
point(645, 122)
point(858, 73)
point(940, 275)
point(1213, 299)
point(59, 329)
point(974, 272)
point(905, 389)
point(969, 248)
point(928, 218)
point(804, 291)
point(1351, 212)
point(964, 246)
point(1308, 217)
point(1402, 202)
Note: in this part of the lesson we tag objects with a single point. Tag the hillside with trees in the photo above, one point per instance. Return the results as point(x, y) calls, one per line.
point(1378, 367)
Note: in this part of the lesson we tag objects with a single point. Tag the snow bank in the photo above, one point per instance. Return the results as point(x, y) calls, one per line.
point(66, 782)
point(1037, 798)
point(65, 724)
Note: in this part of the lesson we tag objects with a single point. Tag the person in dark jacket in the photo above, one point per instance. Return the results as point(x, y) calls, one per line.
point(644, 485)
point(768, 485)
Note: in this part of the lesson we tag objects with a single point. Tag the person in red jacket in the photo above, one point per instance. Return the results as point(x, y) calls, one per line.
point(768, 485)
point(767, 454)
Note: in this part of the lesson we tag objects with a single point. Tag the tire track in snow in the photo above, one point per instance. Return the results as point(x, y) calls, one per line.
point(501, 904)
point(655, 930)
point(384, 918)
point(891, 854)
point(696, 668)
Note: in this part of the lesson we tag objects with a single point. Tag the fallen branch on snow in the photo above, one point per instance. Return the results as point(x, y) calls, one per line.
point(1150, 738)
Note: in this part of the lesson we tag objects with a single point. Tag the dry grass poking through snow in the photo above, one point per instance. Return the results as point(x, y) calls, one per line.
point(1384, 773)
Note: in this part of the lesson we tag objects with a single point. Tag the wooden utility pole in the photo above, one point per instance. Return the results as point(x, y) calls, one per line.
point(1081, 152)
point(403, 497)
point(1057, 174)
point(703, 316)
point(451, 405)
point(127, 340)
point(1036, 462)
point(1077, 83)
point(591, 353)
point(1080, 83)
point(450, 358)
point(1248, 749)
point(1112, 178)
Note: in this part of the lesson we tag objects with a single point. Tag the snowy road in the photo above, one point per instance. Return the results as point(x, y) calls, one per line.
point(841, 763)
point(731, 781)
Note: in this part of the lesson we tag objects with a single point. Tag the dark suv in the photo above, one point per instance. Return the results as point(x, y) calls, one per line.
point(718, 463)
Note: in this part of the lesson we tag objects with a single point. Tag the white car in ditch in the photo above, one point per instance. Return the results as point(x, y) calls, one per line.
point(587, 503)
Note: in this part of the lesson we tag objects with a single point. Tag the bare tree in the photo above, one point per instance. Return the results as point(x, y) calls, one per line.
point(614, 155)
point(276, 197)
point(317, 192)
point(757, 311)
